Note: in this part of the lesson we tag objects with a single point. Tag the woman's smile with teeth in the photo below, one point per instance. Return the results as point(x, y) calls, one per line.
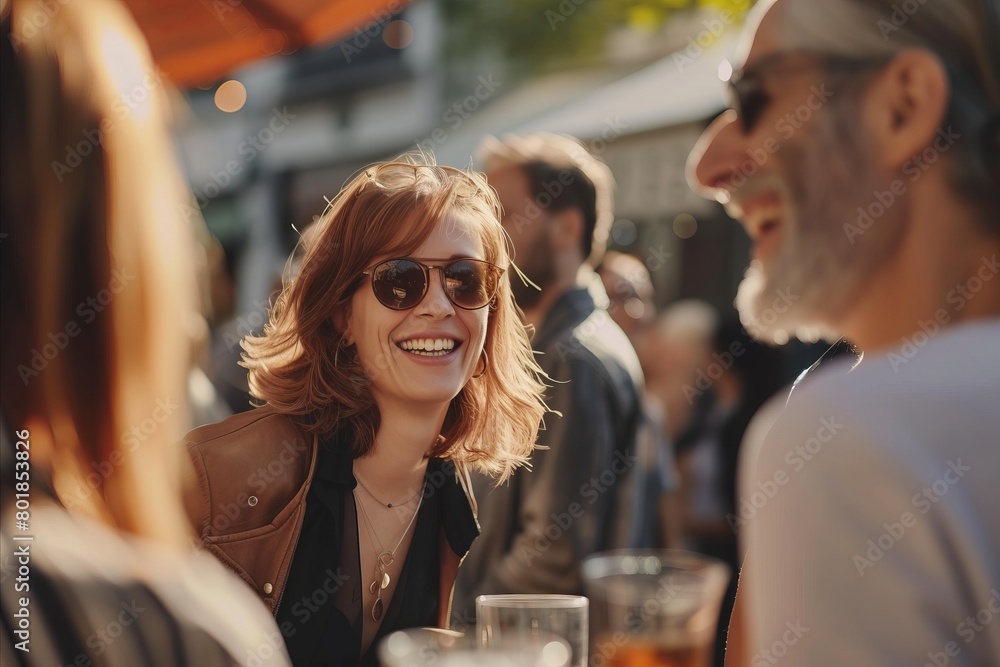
point(434, 347)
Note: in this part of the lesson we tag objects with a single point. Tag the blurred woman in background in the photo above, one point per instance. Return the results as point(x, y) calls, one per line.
point(95, 298)
point(393, 364)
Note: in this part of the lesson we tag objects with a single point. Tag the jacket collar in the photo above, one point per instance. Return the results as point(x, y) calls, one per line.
point(569, 310)
point(336, 461)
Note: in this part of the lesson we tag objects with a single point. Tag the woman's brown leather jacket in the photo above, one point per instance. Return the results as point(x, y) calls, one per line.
point(245, 495)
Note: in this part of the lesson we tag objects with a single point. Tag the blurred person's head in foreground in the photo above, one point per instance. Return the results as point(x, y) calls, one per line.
point(630, 292)
point(862, 155)
point(399, 304)
point(97, 292)
point(557, 208)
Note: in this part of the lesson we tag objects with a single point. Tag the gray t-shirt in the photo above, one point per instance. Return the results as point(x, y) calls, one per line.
point(869, 509)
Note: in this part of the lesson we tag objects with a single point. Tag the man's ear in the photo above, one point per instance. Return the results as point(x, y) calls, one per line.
point(566, 229)
point(905, 106)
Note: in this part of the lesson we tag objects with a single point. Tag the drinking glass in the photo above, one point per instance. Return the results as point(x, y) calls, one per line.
point(423, 647)
point(504, 620)
point(655, 608)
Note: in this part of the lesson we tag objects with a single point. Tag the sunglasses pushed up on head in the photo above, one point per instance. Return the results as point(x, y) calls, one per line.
point(400, 284)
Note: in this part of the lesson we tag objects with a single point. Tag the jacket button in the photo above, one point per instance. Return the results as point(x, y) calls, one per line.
point(252, 501)
point(268, 588)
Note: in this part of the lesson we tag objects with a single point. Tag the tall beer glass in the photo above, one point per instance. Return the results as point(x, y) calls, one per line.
point(654, 608)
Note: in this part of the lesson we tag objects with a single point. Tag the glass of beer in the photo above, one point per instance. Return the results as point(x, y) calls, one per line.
point(654, 608)
point(505, 620)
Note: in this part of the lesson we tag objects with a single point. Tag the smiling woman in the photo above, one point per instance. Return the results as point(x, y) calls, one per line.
point(394, 362)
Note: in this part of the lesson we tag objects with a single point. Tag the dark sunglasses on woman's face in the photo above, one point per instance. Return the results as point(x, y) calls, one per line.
point(400, 284)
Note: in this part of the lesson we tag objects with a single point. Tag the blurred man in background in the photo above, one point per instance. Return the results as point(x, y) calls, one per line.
point(678, 345)
point(584, 492)
point(632, 305)
point(868, 506)
point(629, 287)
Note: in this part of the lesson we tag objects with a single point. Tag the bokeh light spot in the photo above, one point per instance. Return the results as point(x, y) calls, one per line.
point(231, 96)
point(685, 226)
point(398, 34)
point(624, 232)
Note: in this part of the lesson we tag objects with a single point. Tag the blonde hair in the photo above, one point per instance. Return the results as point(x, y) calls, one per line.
point(96, 292)
point(298, 368)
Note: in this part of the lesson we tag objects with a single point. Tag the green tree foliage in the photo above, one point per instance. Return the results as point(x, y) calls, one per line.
point(539, 35)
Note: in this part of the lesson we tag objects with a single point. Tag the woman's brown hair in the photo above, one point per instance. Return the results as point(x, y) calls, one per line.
point(97, 288)
point(389, 209)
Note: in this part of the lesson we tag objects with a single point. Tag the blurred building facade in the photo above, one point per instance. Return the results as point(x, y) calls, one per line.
point(312, 119)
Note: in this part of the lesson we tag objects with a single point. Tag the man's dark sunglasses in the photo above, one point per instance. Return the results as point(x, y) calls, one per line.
point(747, 94)
point(400, 284)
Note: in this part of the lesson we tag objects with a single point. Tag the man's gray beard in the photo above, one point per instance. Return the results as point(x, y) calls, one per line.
point(818, 272)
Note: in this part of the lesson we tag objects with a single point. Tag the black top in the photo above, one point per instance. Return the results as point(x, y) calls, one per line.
point(320, 612)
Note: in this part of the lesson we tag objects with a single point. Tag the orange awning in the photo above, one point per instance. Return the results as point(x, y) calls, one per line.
point(196, 42)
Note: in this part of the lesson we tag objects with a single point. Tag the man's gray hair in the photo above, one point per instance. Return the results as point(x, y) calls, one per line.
point(964, 34)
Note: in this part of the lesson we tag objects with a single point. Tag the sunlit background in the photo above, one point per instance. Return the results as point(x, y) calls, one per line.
point(283, 102)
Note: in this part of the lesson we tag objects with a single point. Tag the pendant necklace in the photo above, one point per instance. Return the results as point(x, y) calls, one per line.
point(383, 503)
point(385, 557)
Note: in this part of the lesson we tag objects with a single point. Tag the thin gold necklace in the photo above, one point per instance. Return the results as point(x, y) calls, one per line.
point(385, 557)
point(379, 500)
